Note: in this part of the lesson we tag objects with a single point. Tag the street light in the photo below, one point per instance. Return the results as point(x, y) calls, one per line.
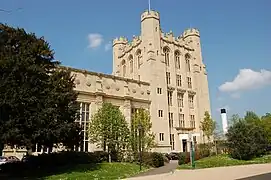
point(140, 144)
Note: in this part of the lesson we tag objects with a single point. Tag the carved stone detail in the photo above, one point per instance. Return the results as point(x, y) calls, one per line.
point(77, 81)
point(88, 83)
point(134, 91)
point(117, 88)
point(179, 90)
point(191, 92)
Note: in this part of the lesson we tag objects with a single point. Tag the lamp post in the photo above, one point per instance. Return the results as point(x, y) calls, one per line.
point(140, 146)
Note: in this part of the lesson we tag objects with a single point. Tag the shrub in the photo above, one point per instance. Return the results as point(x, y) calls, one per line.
point(153, 159)
point(246, 140)
point(157, 159)
point(203, 150)
point(101, 156)
point(52, 162)
point(182, 158)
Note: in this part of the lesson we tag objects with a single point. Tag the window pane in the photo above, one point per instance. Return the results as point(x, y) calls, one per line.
point(87, 107)
point(86, 146)
point(83, 117)
point(83, 106)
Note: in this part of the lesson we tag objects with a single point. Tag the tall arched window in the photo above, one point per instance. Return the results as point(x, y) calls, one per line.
point(138, 57)
point(177, 59)
point(131, 63)
point(166, 52)
point(123, 63)
point(187, 62)
point(124, 70)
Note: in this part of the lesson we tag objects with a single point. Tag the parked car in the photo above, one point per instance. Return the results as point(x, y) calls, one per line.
point(3, 160)
point(174, 156)
point(12, 159)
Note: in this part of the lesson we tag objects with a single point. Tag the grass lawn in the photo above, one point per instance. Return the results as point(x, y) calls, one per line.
point(101, 171)
point(225, 160)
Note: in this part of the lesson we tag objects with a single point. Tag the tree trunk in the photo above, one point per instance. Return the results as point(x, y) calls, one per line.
point(1, 148)
point(109, 155)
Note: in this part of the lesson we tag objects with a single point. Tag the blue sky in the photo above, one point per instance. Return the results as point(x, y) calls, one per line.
point(235, 35)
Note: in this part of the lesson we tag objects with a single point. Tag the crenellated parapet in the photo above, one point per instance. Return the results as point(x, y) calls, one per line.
point(178, 41)
point(120, 40)
point(191, 32)
point(127, 45)
point(150, 14)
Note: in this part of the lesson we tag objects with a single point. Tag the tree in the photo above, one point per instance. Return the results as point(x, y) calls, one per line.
point(207, 126)
point(234, 119)
point(109, 129)
point(37, 100)
point(141, 118)
point(246, 140)
point(266, 122)
point(252, 117)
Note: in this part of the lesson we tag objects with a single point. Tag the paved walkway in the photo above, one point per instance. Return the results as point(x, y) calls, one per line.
point(247, 172)
point(168, 168)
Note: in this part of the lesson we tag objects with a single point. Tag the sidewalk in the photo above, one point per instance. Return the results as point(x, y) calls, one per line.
point(168, 168)
point(246, 172)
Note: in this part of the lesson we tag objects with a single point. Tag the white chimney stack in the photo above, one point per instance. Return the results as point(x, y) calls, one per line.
point(224, 120)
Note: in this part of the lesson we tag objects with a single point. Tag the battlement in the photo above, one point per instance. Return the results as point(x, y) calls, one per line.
point(191, 32)
point(120, 40)
point(149, 14)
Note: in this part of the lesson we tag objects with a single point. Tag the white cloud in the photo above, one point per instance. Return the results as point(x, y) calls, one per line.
point(108, 46)
point(247, 79)
point(235, 95)
point(95, 40)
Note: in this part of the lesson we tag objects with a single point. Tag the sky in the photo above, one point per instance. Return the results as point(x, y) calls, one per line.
point(235, 38)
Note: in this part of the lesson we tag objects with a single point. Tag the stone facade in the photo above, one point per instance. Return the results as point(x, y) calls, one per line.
point(154, 71)
point(174, 68)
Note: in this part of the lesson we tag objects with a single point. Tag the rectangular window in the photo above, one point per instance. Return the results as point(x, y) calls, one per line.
point(172, 142)
point(180, 99)
point(181, 120)
point(189, 82)
point(191, 101)
point(159, 90)
point(139, 77)
point(170, 117)
point(160, 113)
point(168, 77)
point(161, 136)
point(179, 80)
point(84, 121)
point(169, 98)
point(192, 121)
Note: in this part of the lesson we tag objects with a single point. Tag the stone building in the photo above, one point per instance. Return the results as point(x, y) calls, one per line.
point(177, 76)
point(154, 71)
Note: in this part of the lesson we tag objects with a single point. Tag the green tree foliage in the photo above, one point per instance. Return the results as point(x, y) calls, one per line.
point(37, 100)
point(141, 118)
point(234, 119)
point(252, 117)
point(246, 138)
point(109, 129)
point(208, 126)
point(266, 122)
